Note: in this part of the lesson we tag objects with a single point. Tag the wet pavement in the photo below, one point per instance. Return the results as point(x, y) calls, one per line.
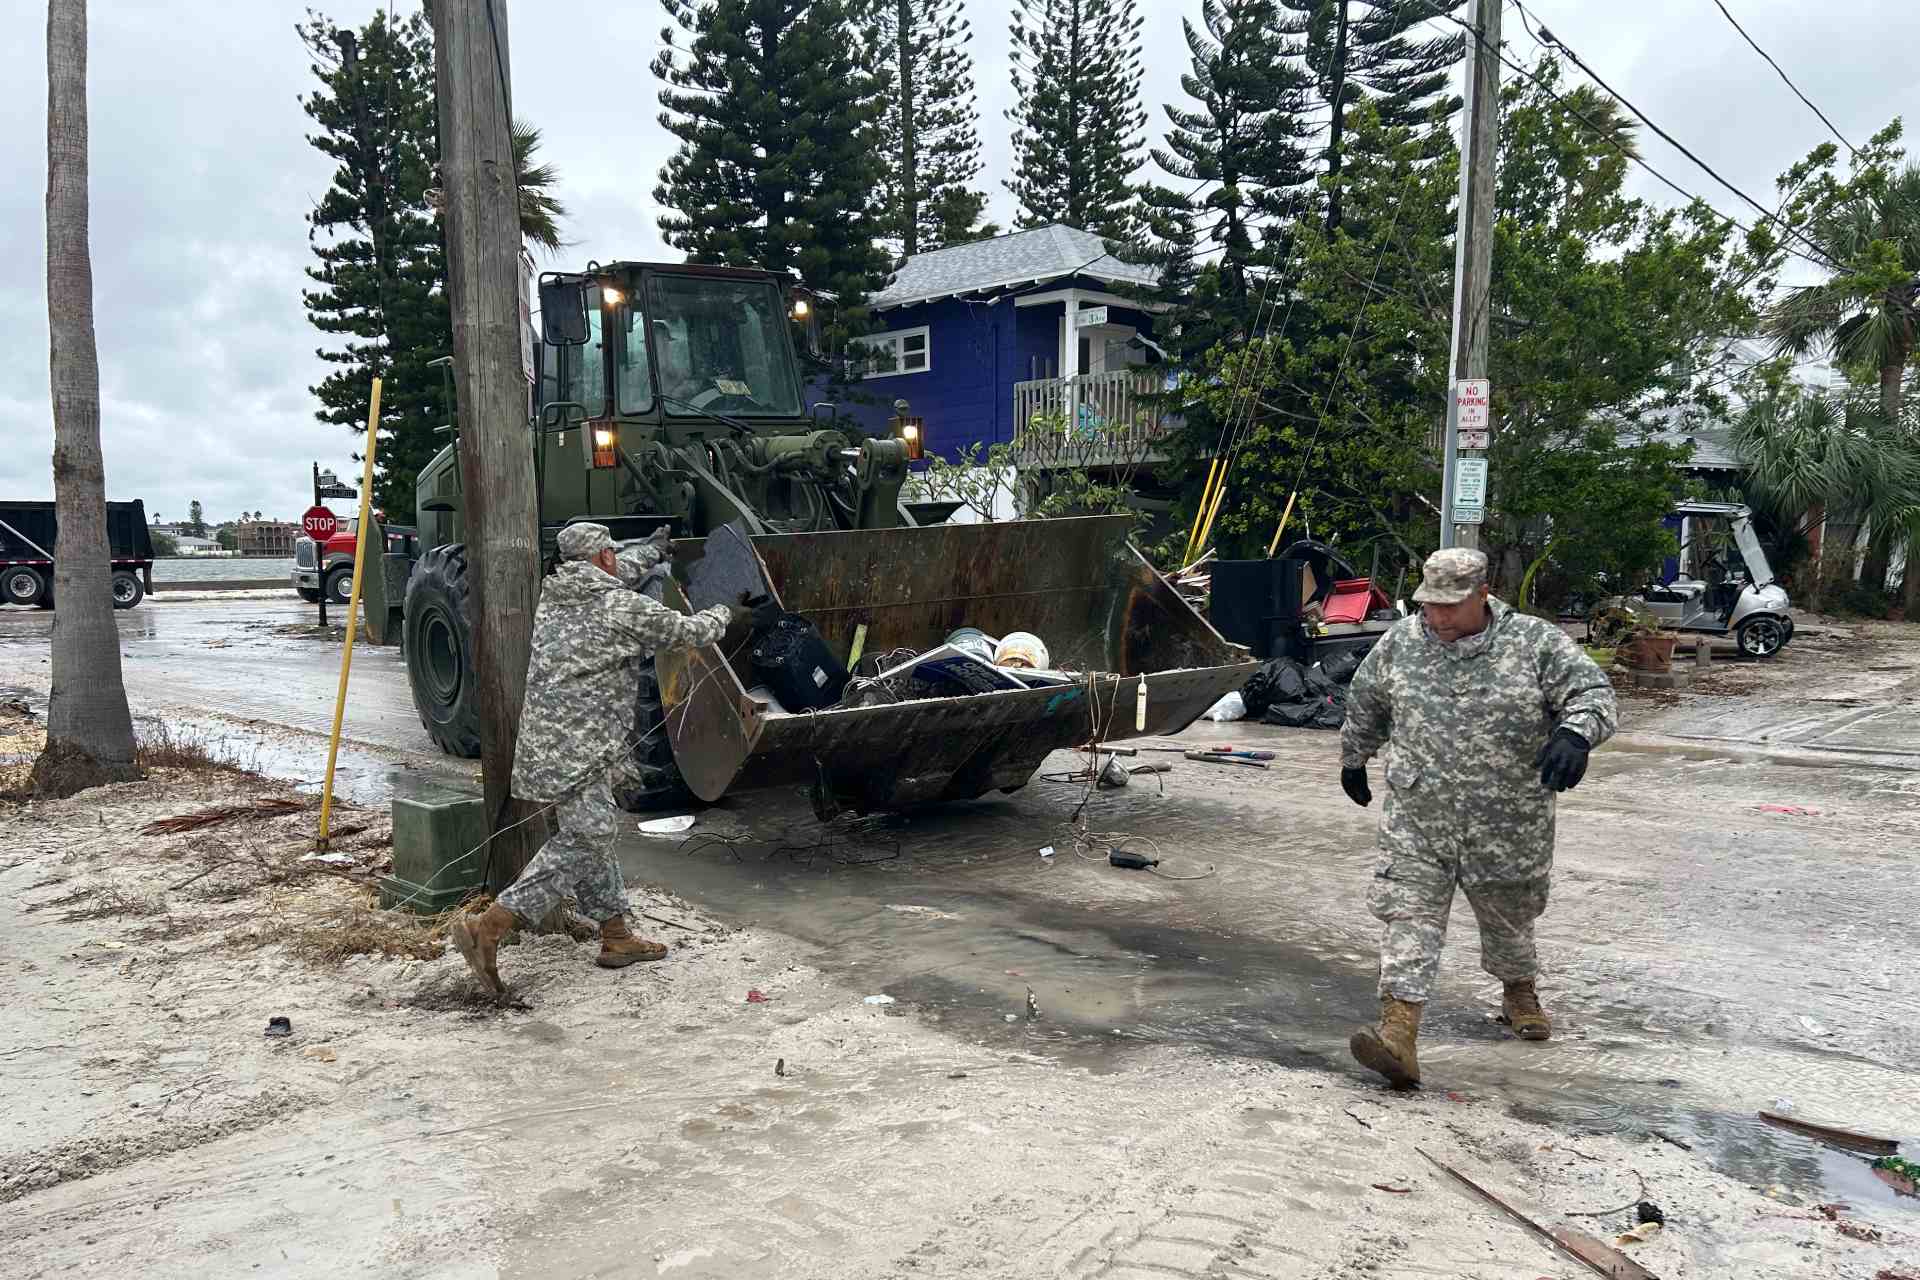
point(1709, 955)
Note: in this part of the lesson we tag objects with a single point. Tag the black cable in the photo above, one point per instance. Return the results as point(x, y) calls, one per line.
point(1560, 101)
point(1547, 38)
point(1784, 77)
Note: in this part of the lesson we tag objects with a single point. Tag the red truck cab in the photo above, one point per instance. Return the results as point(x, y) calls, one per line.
point(329, 568)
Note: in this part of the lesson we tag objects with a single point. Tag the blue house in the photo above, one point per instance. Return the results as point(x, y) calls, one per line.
point(981, 339)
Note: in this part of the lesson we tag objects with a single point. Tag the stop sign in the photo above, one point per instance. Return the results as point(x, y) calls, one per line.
point(319, 523)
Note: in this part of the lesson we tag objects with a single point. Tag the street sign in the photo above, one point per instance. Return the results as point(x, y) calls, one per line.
point(1472, 404)
point(1469, 486)
point(1469, 515)
point(1476, 440)
point(319, 523)
point(1089, 316)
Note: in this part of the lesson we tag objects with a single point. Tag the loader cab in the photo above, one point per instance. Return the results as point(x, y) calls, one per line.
point(670, 351)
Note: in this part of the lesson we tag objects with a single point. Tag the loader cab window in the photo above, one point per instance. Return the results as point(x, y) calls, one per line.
point(721, 345)
point(626, 325)
point(583, 373)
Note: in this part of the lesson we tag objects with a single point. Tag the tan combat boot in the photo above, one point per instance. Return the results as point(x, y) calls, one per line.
point(1389, 1049)
point(619, 948)
point(478, 938)
point(1520, 1009)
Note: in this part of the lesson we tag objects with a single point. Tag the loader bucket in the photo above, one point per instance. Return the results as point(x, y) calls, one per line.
point(1076, 583)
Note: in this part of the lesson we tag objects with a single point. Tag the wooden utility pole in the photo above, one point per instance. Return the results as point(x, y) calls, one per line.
point(1473, 257)
point(496, 456)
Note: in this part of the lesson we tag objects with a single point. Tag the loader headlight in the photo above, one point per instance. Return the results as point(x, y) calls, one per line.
point(606, 447)
point(801, 309)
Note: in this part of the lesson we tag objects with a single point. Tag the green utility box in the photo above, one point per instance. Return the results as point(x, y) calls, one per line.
point(433, 832)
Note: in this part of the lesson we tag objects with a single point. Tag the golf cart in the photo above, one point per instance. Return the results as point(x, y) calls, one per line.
point(1735, 593)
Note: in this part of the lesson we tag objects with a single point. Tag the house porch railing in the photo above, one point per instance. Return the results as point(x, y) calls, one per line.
point(1093, 420)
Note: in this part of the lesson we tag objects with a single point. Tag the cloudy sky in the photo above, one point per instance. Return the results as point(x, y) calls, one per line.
point(201, 177)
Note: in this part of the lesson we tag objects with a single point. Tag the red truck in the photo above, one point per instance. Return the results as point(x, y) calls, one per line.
point(330, 568)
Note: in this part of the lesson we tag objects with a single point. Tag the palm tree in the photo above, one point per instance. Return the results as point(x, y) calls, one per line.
point(1866, 312)
point(89, 729)
point(1809, 452)
point(540, 209)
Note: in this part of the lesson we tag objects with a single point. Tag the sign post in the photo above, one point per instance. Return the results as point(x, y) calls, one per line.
point(320, 524)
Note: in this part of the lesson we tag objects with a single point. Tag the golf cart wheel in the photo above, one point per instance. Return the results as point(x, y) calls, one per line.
point(653, 780)
point(339, 587)
point(21, 584)
point(438, 641)
point(1760, 638)
point(127, 591)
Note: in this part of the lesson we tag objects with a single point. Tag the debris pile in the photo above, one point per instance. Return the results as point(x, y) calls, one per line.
point(1297, 696)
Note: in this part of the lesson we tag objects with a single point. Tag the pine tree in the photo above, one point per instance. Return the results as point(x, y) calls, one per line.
point(377, 235)
point(776, 104)
point(1218, 237)
point(1078, 122)
point(1238, 156)
point(381, 263)
point(196, 519)
point(1361, 50)
point(931, 126)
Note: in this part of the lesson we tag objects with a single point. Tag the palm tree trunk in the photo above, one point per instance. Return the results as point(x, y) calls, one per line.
point(89, 730)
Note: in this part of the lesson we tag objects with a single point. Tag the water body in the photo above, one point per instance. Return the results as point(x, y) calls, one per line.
point(210, 569)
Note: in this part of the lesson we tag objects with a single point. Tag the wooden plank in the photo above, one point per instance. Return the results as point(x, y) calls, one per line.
point(1838, 1137)
point(1601, 1259)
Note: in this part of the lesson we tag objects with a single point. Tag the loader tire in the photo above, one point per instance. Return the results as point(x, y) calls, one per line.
point(438, 639)
point(653, 780)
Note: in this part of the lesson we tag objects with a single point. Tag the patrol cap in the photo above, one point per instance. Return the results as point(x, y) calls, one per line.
point(1450, 575)
point(583, 541)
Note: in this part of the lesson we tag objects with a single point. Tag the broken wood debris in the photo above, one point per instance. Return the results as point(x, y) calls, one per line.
point(271, 807)
point(1838, 1137)
point(1602, 1259)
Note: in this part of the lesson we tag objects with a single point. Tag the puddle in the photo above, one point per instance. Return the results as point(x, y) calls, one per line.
point(1109, 975)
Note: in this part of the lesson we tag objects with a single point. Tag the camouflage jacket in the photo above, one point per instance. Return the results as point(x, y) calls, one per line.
point(1462, 724)
point(590, 636)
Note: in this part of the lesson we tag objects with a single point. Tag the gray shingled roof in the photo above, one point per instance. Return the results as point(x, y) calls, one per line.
point(1021, 257)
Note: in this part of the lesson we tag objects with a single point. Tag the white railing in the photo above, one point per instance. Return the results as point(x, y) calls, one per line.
point(1095, 419)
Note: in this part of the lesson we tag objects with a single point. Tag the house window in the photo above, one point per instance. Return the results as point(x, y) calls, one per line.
point(896, 351)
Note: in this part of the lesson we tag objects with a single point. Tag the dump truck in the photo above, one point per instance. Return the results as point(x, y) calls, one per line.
point(29, 532)
point(673, 394)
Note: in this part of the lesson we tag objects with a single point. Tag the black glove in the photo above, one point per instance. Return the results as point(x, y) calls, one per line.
point(1563, 761)
point(738, 615)
point(761, 610)
point(1354, 783)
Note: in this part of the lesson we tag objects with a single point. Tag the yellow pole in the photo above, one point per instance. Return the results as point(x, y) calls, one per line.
point(1200, 515)
point(1219, 496)
point(1275, 544)
point(353, 610)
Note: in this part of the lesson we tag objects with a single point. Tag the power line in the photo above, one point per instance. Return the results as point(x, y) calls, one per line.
point(1788, 80)
point(1546, 38)
point(1605, 135)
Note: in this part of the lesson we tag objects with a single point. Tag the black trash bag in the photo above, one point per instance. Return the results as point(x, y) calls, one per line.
point(1278, 680)
point(1319, 683)
point(1341, 664)
point(1291, 715)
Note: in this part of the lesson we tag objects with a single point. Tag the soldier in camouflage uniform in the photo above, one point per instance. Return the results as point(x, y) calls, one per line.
point(1485, 714)
point(589, 638)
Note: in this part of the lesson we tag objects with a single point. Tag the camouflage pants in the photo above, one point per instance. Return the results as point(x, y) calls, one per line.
point(576, 863)
point(1412, 895)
